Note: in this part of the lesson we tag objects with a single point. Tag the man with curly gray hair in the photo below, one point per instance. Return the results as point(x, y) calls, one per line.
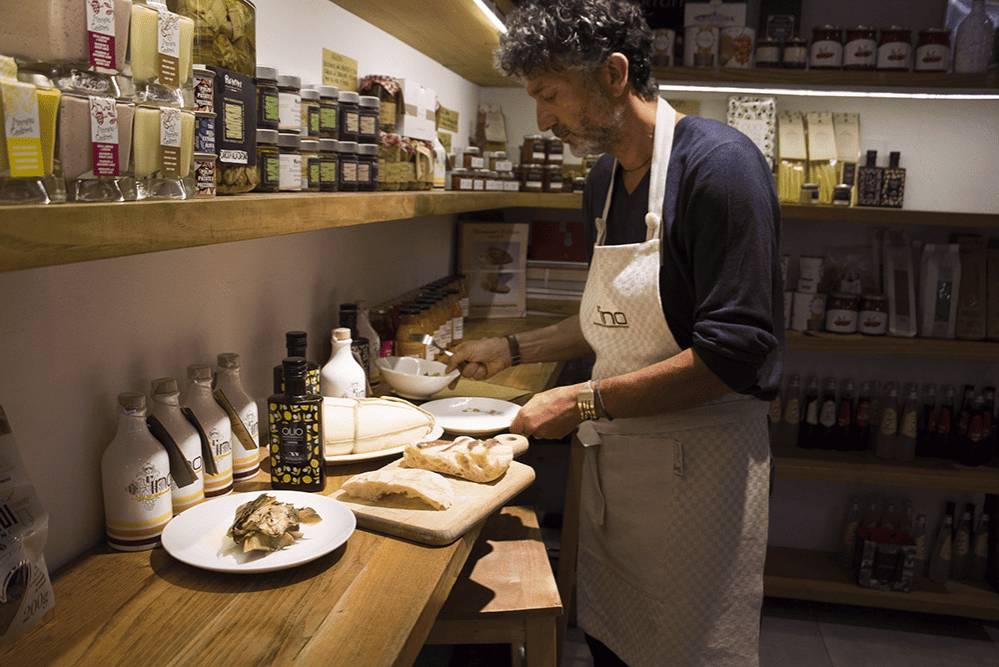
point(683, 309)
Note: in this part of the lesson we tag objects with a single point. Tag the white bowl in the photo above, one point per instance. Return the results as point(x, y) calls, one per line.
point(415, 378)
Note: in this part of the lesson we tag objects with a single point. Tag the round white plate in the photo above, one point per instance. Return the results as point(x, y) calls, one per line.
point(198, 535)
point(472, 415)
point(380, 453)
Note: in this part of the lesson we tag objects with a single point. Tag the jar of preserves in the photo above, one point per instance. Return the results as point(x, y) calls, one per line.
point(347, 152)
point(826, 51)
point(552, 178)
point(350, 118)
point(268, 161)
point(471, 158)
point(533, 177)
point(289, 103)
point(498, 161)
point(479, 179)
point(553, 150)
point(767, 52)
point(268, 99)
point(310, 113)
point(328, 165)
point(309, 152)
point(290, 161)
point(367, 167)
point(367, 119)
point(329, 105)
point(895, 50)
point(872, 319)
point(809, 194)
point(578, 184)
point(461, 179)
point(386, 89)
point(493, 182)
point(842, 312)
point(532, 151)
point(933, 50)
point(795, 53)
point(861, 49)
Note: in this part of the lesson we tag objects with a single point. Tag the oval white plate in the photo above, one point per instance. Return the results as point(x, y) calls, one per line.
point(380, 453)
point(198, 535)
point(472, 415)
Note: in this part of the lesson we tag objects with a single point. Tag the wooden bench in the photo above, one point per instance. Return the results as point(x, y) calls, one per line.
point(506, 593)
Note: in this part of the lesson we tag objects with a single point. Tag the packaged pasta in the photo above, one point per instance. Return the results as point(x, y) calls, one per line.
point(756, 117)
point(822, 156)
point(847, 129)
point(793, 165)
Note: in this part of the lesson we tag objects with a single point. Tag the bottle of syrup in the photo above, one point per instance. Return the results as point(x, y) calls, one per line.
point(787, 431)
point(973, 448)
point(165, 408)
point(295, 424)
point(214, 423)
point(135, 472)
point(243, 415)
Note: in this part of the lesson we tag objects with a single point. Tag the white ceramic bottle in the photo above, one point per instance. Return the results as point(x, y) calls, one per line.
point(342, 376)
point(215, 423)
point(135, 471)
point(244, 417)
point(165, 406)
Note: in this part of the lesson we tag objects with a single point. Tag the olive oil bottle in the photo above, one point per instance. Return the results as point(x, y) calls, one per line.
point(295, 425)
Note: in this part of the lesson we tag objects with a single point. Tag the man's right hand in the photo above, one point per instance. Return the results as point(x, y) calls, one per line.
point(480, 359)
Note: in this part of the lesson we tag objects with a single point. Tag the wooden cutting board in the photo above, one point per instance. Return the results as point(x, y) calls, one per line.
point(415, 520)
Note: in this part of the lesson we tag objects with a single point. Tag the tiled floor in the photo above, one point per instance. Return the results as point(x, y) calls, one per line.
point(804, 634)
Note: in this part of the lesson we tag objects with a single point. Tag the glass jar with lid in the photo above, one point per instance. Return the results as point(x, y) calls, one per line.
point(532, 151)
point(309, 152)
point(533, 176)
point(329, 106)
point(552, 178)
point(347, 152)
point(367, 120)
point(826, 51)
point(232, 23)
point(471, 158)
point(895, 50)
point(367, 167)
point(268, 161)
point(268, 98)
point(350, 118)
point(461, 179)
point(767, 52)
point(386, 89)
point(861, 49)
point(290, 103)
point(310, 113)
point(498, 161)
point(329, 163)
point(290, 178)
point(933, 51)
point(553, 150)
point(795, 53)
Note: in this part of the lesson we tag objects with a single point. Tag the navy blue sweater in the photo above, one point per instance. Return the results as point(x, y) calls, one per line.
point(720, 281)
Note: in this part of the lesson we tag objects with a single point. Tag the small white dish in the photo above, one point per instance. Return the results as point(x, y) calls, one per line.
point(472, 415)
point(198, 535)
point(417, 379)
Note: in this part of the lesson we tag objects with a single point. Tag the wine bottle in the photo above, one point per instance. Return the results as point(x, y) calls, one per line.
point(860, 432)
point(962, 544)
point(844, 418)
point(295, 343)
point(790, 420)
point(927, 423)
point(979, 557)
point(848, 535)
point(884, 444)
point(905, 441)
point(939, 570)
point(973, 41)
point(825, 429)
point(940, 440)
point(810, 415)
point(920, 538)
point(295, 423)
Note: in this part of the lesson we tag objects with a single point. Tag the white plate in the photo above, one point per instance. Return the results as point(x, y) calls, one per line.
point(472, 415)
point(198, 535)
point(380, 453)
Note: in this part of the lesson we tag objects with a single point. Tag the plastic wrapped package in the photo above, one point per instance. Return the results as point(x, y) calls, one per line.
point(822, 156)
point(793, 163)
point(25, 589)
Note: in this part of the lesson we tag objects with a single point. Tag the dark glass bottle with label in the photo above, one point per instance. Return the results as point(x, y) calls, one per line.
point(860, 431)
point(825, 430)
point(295, 424)
point(359, 345)
point(927, 421)
point(959, 433)
point(295, 344)
point(973, 448)
point(940, 439)
point(810, 415)
point(844, 419)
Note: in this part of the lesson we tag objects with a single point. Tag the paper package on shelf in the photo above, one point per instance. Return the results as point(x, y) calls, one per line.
point(793, 150)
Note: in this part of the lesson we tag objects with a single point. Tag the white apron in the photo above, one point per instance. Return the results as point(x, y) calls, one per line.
point(673, 522)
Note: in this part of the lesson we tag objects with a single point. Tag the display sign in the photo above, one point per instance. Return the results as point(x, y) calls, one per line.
point(447, 120)
point(339, 71)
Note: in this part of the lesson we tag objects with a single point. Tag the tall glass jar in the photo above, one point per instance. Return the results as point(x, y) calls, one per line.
point(329, 164)
point(290, 103)
point(367, 123)
point(268, 98)
point(347, 152)
point(367, 167)
point(310, 113)
point(268, 161)
point(290, 162)
point(329, 111)
point(350, 118)
point(309, 152)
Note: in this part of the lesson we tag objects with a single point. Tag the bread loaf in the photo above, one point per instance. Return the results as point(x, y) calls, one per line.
point(421, 484)
point(468, 458)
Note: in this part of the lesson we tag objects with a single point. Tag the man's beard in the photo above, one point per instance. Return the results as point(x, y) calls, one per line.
point(599, 129)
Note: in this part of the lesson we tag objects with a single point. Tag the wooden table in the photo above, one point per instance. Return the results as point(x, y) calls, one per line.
point(372, 601)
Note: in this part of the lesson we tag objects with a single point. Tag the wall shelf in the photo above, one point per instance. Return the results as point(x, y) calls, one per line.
point(36, 236)
point(831, 80)
point(818, 465)
point(888, 216)
point(817, 575)
point(923, 348)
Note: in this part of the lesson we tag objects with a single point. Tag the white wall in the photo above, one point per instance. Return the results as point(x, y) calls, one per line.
point(73, 337)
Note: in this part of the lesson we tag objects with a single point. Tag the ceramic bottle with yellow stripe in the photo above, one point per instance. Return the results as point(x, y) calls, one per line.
point(135, 471)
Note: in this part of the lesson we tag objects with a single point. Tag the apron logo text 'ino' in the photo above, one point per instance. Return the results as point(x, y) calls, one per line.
point(612, 319)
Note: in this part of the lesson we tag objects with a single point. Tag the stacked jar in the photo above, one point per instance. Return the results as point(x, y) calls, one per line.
point(541, 161)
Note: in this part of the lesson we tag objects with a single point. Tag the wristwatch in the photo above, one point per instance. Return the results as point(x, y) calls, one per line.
point(584, 401)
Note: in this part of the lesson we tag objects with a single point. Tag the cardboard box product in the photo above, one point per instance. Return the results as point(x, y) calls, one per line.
point(494, 258)
point(418, 112)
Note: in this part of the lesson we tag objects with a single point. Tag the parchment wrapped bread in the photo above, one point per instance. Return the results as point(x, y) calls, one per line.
point(361, 425)
point(468, 458)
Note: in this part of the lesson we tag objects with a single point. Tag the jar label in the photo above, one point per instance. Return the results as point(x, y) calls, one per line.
point(352, 122)
point(270, 170)
point(270, 109)
point(100, 33)
point(23, 129)
point(236, 122)
point(860, 52)
point(873, 323)
point(312, 121)
point(363, 172)
point(932, 58)
point(168, 48)
point(348, 171)
point(204, 94)
point(204, 178)
point(289, 112)
point(367, 126)
point(327, 120)
point(327, 171)
point(895, 55)
point(290, 174)
point(827, 54)
point(170, 132)
point(104, 135)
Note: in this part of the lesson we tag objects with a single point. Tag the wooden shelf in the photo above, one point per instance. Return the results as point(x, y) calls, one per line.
point(36, 236)
point(888, 216)
point(923, 348)
point(817, 575)
point(927, 82)
point(864, 468)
